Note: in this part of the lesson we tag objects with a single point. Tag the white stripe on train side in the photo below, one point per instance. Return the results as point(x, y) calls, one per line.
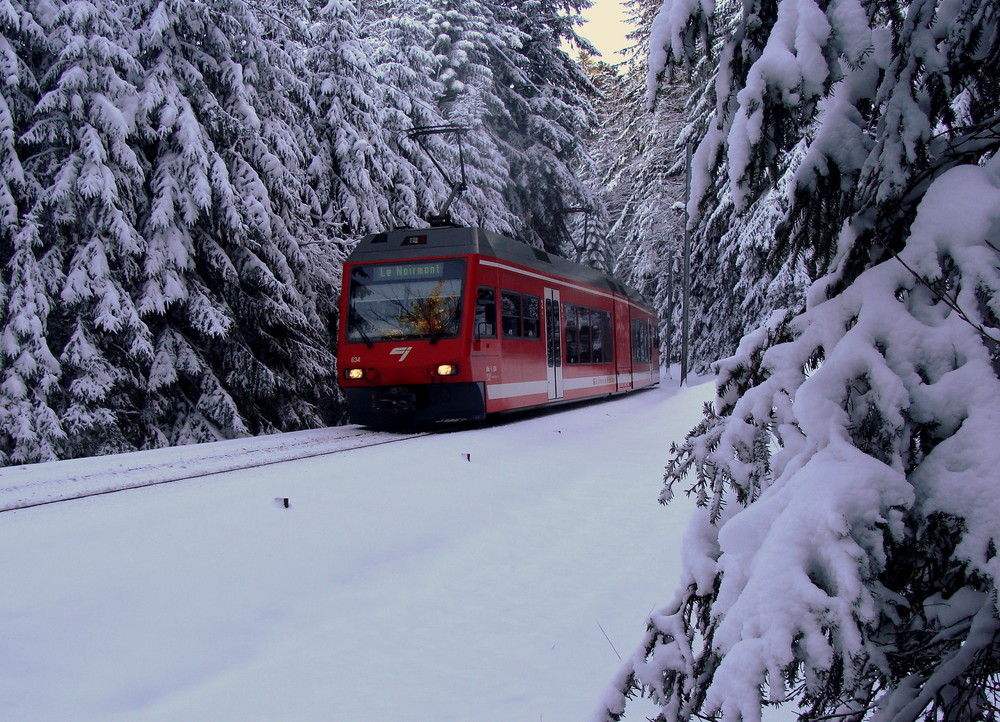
point(586, 382)
point(531, 388)
point(513, 390)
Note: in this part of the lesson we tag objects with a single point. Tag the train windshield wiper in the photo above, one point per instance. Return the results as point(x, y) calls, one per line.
point(364, 337)
point(439, 333)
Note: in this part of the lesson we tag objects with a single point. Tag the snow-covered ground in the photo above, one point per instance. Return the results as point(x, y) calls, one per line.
point(470, 575)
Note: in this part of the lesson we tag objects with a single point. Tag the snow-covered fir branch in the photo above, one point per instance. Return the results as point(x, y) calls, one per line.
point(844, 560)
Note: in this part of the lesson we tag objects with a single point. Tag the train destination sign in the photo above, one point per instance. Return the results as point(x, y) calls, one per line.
point(410, 271)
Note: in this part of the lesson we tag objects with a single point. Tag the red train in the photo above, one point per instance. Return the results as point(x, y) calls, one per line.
point(442, 324)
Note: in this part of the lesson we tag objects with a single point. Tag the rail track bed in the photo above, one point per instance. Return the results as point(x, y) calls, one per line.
point(31, 485)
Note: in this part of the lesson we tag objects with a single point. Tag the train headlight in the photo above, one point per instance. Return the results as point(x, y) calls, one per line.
point(447, 369)
point(354, 374)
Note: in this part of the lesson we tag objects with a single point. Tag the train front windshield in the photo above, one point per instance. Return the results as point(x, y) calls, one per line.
point(404, 301)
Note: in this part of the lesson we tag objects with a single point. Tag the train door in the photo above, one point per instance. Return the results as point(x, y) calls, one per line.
point(623, 346)
point(553, 345)
point(654, 353)
point(651, 349)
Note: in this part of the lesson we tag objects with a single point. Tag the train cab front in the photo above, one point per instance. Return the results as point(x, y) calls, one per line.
point(404, 356)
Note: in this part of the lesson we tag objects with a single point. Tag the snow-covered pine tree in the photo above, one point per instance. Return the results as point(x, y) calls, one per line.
point(401, 58)
point(546, 121)
point(29, 393)
point(464, 42)
point(31, 271)
point(844, 557)
point(586, 228)
point(352, 168)
point(21, 38)
point(715, 52)
point(739, 275)
point(495, 69)
point(91, 189)
point(643, 171)
point(225, 117)
point(647, 179)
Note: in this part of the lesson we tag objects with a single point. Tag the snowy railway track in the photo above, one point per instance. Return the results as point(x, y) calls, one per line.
point(31, 485)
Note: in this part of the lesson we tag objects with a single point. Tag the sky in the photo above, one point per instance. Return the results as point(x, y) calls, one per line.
point(606, 28)
point(488, 574)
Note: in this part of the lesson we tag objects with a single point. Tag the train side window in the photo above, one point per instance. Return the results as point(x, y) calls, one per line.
point(597, 337)
point(607, 338)
point(572, 340)
point(589, 335)
point(586, 338)
point(486, 313)
point(511, 303)
point(641, 352)
point(531, 308)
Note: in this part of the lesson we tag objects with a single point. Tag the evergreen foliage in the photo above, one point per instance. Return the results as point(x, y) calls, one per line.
point(84, 147)
point(499, 72)
point(30, 428)
point(467, 44)
point(183, 179)
point(843, 557)
point(239, 347)
point(546, 113)
point(641, 164)
point(739, 272)
point(645, 182)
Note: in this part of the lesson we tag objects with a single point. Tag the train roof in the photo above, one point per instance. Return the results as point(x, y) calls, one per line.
point(414, 243)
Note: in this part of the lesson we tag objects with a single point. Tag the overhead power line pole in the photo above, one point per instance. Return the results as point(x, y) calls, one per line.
point(671, 262)
point(686, 277)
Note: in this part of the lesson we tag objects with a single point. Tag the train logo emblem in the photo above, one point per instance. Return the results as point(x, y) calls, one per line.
point(402, 352)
